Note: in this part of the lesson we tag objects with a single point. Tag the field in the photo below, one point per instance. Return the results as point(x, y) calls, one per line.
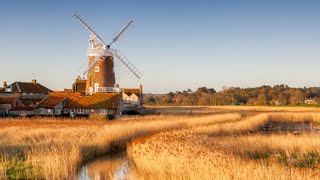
point(173, 143)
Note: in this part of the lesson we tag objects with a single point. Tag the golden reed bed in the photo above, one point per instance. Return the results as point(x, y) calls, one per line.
point(56, 149)
point(162, 145)
point(233, 149)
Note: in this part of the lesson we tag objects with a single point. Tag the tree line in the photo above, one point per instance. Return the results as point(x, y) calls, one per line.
point(264, 95)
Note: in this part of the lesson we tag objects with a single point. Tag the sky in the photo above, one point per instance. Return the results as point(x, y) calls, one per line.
point(175, 44)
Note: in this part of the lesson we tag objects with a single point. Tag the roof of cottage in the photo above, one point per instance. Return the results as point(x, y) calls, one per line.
point(130, 91)
point(26, 87)
point(79, 101)
point(7, 100)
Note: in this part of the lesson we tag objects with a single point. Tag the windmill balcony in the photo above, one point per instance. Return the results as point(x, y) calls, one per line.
point(93, 52)
point(108, 89)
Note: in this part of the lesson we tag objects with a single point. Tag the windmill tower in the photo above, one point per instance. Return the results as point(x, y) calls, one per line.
point(100, 72)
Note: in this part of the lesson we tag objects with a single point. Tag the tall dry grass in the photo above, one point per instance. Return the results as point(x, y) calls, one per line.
point(247, 124)
point(194, 145)
point(55, 149)
point(227, 150)
point(295, 117)
point(223, 109)
point(288, 149)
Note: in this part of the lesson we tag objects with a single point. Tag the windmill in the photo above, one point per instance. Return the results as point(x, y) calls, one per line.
point(100, 71)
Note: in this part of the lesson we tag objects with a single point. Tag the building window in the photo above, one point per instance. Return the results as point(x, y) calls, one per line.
point(23, 94)
point(42, 111)
point(49, 111)
point(31, 94)
point(22, 112)
point(96, 69)
point(80, 111)
point(111, 112)
point(66, 110)
point(58, 111)
point(72, 110)
point(8, 90)
point(103, 111)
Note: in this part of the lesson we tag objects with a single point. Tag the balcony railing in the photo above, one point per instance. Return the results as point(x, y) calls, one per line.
point(108, 89)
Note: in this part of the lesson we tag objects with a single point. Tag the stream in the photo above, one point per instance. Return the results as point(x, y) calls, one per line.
point(112, 166)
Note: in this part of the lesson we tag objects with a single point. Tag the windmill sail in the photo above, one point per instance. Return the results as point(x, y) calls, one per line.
point(106, 51)
point(87, 27)
point(127, 65)
point(121, 32)
point(96, 61)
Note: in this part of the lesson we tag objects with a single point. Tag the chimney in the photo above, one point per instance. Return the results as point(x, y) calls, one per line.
point(140, 88)
point(5, 84)
point(34, 81)
point(141, 96)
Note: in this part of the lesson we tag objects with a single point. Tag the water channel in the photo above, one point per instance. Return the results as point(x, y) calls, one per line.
point(112, 166)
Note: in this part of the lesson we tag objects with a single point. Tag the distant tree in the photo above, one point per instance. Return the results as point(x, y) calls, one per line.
point(263, 95)
point(211, 90)
point(149, 100)
point(171, 95)
point(296, 97)
point(201, 90)
point(261, 100)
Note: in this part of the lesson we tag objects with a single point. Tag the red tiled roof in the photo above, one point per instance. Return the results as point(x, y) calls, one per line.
point(32, 88)
point(130, 91)
point(7, 100)
point(51, 101)
point(78, 101)
point(26, 87)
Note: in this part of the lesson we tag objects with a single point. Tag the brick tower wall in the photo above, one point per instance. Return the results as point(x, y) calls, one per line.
point(105, 77)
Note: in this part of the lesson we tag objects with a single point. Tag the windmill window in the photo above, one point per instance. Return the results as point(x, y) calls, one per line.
point(96, 69)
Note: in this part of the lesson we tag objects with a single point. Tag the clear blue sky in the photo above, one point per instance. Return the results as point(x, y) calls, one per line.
point(176, 44)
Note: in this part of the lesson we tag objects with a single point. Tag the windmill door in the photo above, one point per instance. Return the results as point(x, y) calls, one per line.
point(96, 87)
